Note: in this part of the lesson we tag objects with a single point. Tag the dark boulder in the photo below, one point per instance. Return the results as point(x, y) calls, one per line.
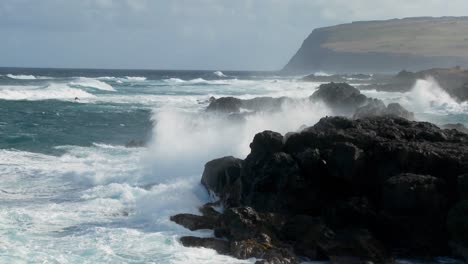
point(373, 107)
point(376, 107)
point(221, 246)
point(356, 246)
point(342, 98)
point(349, 191)
point(457, 224)
point(194, 222)
point(414, 194)
point(225, 104)
point(234, 105)
point(463, 186)
point(220, 174)
point(395, 109)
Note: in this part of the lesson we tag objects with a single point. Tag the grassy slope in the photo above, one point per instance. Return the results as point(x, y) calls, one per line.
point(421, 36)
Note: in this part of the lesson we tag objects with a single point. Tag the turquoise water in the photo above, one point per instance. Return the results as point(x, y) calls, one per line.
point(72, 192)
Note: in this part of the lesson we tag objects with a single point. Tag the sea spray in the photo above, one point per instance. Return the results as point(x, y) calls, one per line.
point(183, 141)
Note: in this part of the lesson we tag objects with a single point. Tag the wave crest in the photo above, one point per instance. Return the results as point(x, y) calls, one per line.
point(34, 93)
point(21, 77)
point(92, 83)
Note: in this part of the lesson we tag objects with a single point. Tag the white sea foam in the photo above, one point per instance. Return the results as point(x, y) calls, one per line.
point(219, 74)
point(51, 91)
point(135, 78)
point(21, 77)
point(428, 96)
point(92, 83)
point(183, 141)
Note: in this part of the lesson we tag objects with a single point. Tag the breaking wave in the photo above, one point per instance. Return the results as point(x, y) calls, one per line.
point(21, 77)
point(219, 74)
point(92, 83)
point(51, 91)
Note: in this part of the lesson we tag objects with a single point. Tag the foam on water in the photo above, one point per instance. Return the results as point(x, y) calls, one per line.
point(219, 74)
point(92, 83)
point(135, 78)
point(426, 97)
point(51, 91)
point(21, 77)
point(110, 204)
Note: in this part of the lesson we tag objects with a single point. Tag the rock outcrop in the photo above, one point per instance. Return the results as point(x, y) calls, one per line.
point(234, 105)
point(342, 98)
point(350, 191)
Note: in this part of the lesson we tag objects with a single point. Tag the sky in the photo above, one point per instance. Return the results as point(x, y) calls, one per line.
point(182, 34)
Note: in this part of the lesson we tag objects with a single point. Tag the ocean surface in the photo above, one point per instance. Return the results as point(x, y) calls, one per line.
point(77, 185)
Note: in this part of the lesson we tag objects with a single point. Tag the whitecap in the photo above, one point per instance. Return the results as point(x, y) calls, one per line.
point(92, 83)
point(34, 93)
point(136, 78)
point(219, 74)
point(21, 77)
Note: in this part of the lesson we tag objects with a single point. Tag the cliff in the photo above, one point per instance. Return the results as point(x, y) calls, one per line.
point(384, 46)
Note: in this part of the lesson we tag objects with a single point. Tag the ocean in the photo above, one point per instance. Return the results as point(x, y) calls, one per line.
point(93, 162)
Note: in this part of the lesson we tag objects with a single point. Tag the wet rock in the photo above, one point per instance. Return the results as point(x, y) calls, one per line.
point(194, 222)
point(376, 107)
point(346, 190)
point(221, 246)
point(343, 98)
point(395, 109)
point(220, 174)
point(413, 194)
point(356, 246)
point(457, 222)
point(234, 105)
point(225, 104)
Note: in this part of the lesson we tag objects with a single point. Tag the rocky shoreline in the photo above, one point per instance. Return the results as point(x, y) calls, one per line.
point(348, 191)
point(366, 188)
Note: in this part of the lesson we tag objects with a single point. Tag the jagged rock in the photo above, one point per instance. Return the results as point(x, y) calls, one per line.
point(221, 246)
point(345, 190)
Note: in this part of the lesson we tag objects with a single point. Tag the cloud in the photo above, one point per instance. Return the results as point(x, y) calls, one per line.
point(191, 34)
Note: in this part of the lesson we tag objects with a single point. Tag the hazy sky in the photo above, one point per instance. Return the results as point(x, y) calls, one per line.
point(182, 34)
